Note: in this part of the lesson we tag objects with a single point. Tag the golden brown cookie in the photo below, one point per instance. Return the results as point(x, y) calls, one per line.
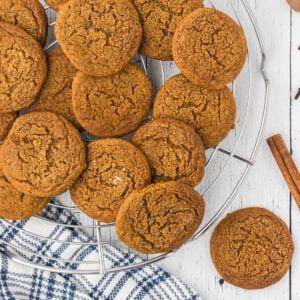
point(14, 205)
point(210, 112)
point(55, 4)
point(43, 154)
point(115, 168)
point(209, 48)
point(6, 121)
point(173, 149)
point(112, 106)
point(99, 37)
point(23, 68)
point(56, 93)
point(252, 248)
point(159, 21)
point(28, 15)
point(160, 217)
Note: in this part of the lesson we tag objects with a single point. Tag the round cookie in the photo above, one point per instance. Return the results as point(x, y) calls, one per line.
point(28, 15)
point(55, 4)
point(43, 154)
point(56, 93)
point(160, 217)
point(14, 205)
point(174, 150)
point(159, 20)
point(99, 37)
point(210, 112)
point(6, 121)
point(252, 248)
point(209, 48)
point(23, 68)
point(112, 106)
point(115, 168)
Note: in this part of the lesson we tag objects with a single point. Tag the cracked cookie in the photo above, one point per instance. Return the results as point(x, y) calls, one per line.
point(14, 205)
point(112, 106)
point(209, 48)
point(43, 154)
point(6, 121)
point(114, 168)
point(174, 150)
point(159, 20)
point(252, 248)
point(160, 217)
point(99, 37)
point(23, 68)
point(55, 4)
point(28, 15)
point(56, 93)
point(210, 112)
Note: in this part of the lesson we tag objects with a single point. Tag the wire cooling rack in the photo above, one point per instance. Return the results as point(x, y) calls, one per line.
point(236, 154)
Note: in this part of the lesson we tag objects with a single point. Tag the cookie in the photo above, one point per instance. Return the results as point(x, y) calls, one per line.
point(99, 37)
point(112, 106)
point(14, 205)
point(56, 93)
point(209, 48)
point(115, 168)
point(252, 248)
point(55, 4)
point(6, 121)
point(159, 217)
point(28, 15)
point(173, 149)
point(23, 68)
point(43, 154)
point(210, 112)
point(159, 20)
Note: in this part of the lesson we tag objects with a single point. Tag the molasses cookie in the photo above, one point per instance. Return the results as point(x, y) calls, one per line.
point(28, 15)
point(210, 112)
point(56, 93)
point(112, 106)
point(14, 205)
point(115, 168)
point(160, 217)
point(173, 149)
point(6, 121)
point(252, 248)
point(55, 4)
point(99, 37)
point(209, 48)
point(43, 154)
point(23, 68)
point(159, 21)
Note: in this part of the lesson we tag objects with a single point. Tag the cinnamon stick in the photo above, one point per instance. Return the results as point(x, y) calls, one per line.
point(286, 165)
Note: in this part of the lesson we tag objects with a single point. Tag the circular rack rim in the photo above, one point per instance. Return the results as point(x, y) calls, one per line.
point(199, 232)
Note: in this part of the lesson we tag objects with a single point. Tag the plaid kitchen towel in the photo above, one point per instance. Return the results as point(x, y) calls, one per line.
point(20, 282)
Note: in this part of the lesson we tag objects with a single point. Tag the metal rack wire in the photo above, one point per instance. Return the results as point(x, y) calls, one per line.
point(230, 154)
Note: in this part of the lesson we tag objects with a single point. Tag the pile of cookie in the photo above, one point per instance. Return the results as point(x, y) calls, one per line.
point(145, 185)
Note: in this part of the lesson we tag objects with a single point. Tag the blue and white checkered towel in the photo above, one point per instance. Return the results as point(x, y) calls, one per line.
point(21, 282)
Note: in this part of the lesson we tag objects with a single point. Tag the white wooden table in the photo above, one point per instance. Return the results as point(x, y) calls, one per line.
point(264, 186)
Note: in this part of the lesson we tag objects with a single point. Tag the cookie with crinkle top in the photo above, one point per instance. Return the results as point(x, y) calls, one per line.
point(159, 20)
point(160, 217)
point(99, 37)
point(112, 106)
point(28, 15)
point(252, 248)
point(209, 48)
point(23, 68)
point(114, 169)
point(43, 154)
point(174, 150)
point(210, 112)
